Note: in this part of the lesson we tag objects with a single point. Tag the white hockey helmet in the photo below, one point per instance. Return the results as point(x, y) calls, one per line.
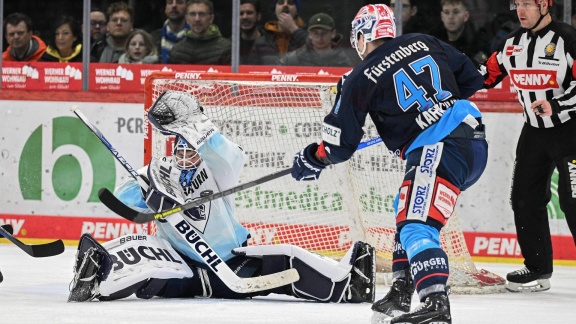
point(373, 21)
point(185, 156)
point(514, 4)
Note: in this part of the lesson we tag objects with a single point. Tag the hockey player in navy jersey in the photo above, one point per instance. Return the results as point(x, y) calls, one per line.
point(414, 87)
point(171, 264)
point(539, 58)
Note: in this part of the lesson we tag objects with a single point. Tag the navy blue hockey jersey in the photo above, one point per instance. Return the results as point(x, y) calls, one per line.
point(406, 85)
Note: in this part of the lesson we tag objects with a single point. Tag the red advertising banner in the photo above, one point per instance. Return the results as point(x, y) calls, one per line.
point(69, 228)
point(42, 76)
point(129, 78)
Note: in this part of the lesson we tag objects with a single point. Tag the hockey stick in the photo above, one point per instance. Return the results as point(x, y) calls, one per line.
point(199, 245)
point(37, 250)
point(222, 270)
point(104, 141)
point(108, 199)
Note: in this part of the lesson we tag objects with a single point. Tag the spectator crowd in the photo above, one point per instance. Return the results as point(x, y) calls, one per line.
point(189, 34)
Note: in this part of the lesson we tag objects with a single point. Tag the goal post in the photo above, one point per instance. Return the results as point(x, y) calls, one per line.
point(273, 116)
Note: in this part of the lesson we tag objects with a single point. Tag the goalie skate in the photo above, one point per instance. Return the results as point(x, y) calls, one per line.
point(363, 274)
point(526, 280)
point(85, 283)
point(396, 302)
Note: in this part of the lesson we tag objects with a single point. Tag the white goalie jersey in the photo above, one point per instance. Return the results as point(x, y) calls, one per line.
point(222, 163)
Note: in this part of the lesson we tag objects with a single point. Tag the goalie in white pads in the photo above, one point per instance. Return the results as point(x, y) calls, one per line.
point(170, 264)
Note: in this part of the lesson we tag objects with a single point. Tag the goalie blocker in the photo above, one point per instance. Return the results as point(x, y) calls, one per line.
point(148, 266)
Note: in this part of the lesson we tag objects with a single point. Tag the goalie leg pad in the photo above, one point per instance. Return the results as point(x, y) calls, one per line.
point(139, 261)
point(321, 278)
point(206, 283)
point(92, 265)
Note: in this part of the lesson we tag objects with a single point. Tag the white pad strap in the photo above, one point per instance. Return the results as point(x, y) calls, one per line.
point(337, 271)
point(141, 257)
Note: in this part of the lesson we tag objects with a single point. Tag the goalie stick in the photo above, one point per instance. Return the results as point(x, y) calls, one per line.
point(37, 250)
point(108, 199)
point(221, 269)
point(104, 141)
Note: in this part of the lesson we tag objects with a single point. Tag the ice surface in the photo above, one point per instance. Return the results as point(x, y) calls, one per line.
point(35, 290)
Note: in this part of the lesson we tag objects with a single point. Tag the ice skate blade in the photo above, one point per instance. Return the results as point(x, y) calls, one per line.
point(533, 286)
point(387, 321)
point(381, 318)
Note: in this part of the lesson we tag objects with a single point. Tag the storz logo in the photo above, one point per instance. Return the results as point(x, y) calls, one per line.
point(420, 199)
point(429, 159)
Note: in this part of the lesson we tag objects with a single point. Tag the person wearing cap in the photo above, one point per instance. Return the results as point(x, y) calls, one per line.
point(286, 33)
point(322, 48)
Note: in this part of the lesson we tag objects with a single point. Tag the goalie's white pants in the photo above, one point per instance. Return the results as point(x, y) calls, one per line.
point(148, 266)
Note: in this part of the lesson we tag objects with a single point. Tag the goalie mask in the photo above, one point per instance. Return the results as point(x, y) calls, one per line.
point(185, 158)
point(373, 22)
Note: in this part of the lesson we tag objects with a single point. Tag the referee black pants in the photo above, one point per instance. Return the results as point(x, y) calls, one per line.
point(539, 152)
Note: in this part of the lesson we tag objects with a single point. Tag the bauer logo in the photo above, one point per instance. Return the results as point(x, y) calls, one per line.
point(65, 159)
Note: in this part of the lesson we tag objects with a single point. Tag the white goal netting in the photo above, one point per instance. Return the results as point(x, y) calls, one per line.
point(274, 116)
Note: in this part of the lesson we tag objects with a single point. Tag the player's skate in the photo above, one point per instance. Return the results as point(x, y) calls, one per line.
point(526, 280)
point(363, 274)
point(396, 302)
point(434, 310)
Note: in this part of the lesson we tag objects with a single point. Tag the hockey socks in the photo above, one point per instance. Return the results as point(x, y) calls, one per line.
point(429, 269)
point(399, 259)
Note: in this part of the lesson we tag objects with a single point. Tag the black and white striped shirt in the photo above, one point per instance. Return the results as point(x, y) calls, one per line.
point(540, 66)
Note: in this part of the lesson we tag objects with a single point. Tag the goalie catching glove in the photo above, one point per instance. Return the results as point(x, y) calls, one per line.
point(180, 113)
point(306, 166)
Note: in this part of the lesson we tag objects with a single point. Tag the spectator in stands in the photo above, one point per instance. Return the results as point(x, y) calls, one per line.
point(413, 20)
point(573, 21)
point(458, 31)
point(323, 46)
point(139, 48)
point(22, 45)
point(98, 31)
point(204, 44)
point(120, 24)
point(281, 36)
point(65, 45)
point(174, 29)
point(250, 30)
point(502, 25)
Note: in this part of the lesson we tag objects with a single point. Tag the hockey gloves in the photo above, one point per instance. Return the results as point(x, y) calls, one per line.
point(306, 167)
point(180, 113)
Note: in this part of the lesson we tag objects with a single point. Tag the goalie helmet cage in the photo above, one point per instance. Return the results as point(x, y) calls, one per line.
point(273, 116)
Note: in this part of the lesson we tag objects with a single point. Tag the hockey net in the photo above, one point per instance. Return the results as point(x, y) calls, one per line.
point(274, 116)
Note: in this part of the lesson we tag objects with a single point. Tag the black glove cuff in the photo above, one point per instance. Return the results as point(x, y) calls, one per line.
point(310, 155)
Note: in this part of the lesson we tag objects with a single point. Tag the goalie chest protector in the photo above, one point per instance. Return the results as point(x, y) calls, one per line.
point(165, 190)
